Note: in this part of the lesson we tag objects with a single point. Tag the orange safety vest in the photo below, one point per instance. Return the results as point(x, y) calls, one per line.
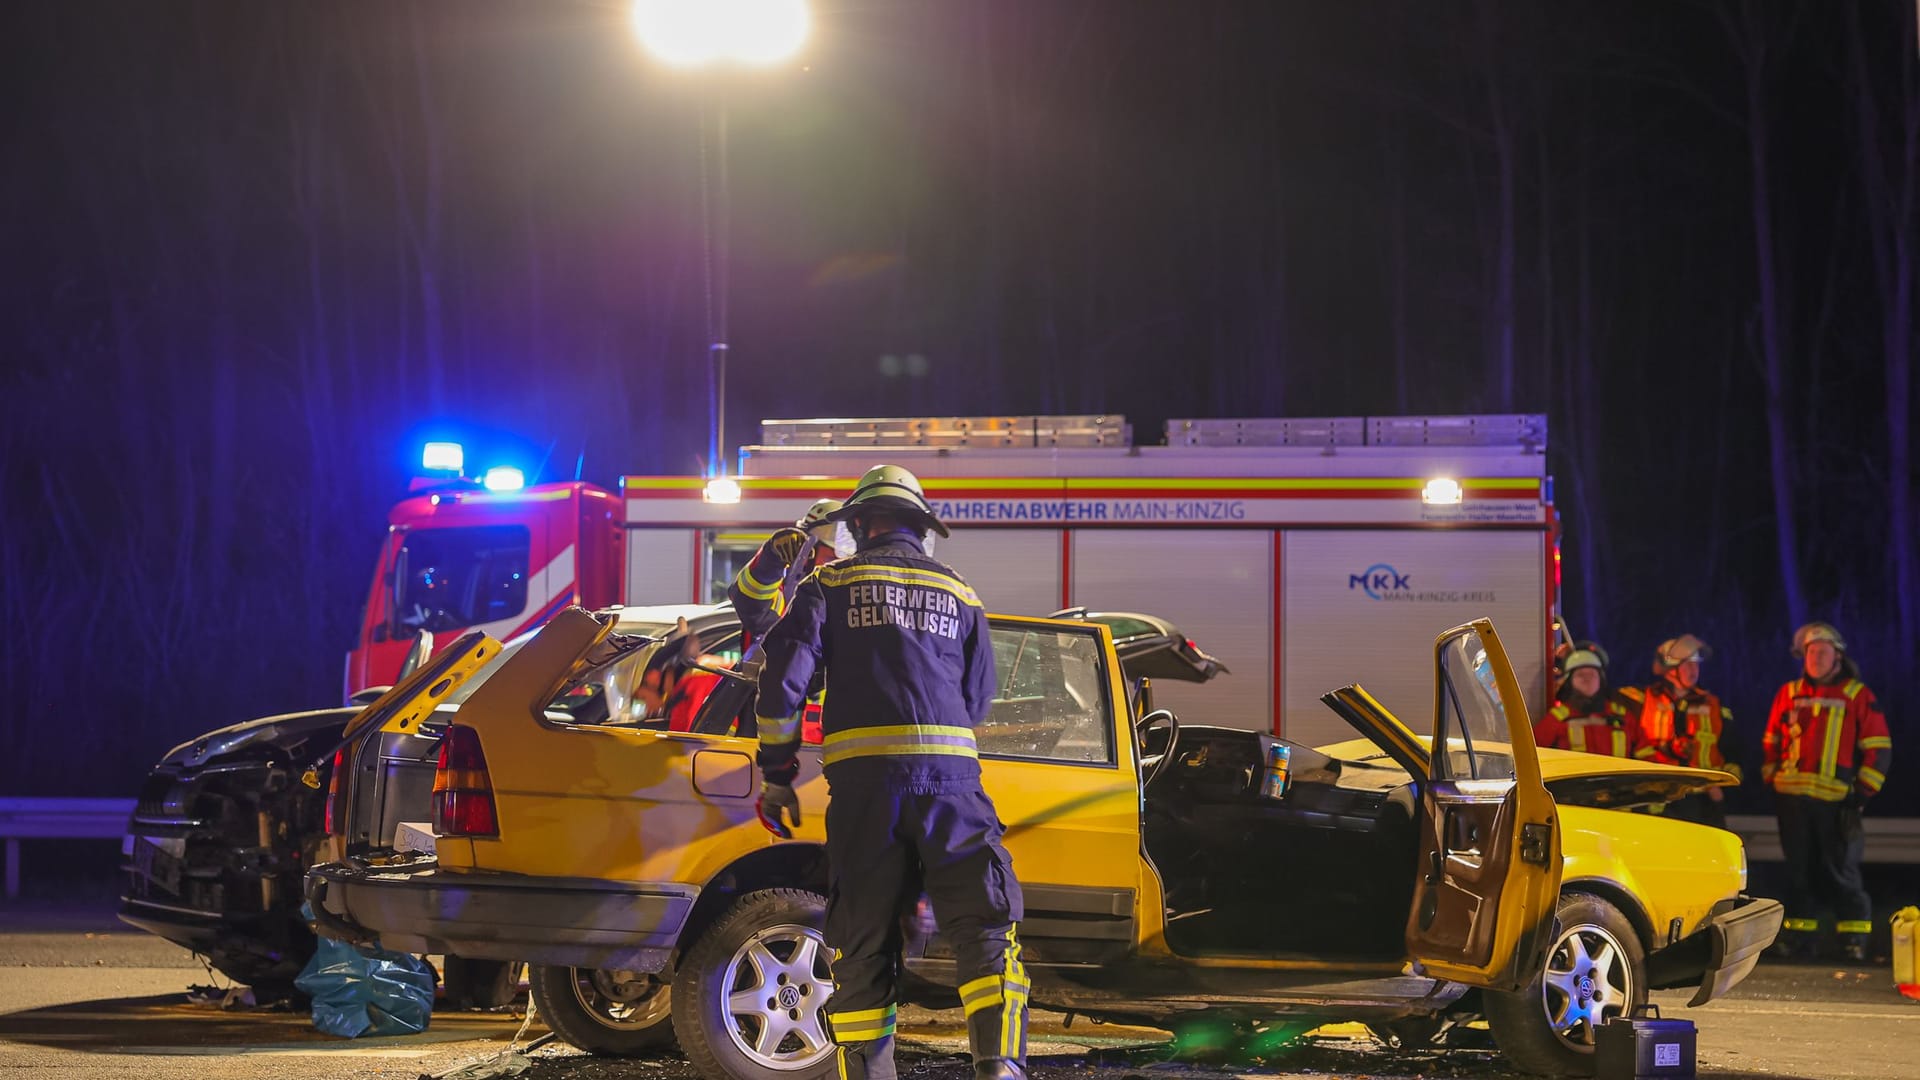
point(1683, 728)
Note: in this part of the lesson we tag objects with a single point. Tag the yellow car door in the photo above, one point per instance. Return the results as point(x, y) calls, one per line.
point(1489, 860)
point(1057, 757)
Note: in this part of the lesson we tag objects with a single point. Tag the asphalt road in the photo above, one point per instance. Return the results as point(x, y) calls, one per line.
point(78, 1000)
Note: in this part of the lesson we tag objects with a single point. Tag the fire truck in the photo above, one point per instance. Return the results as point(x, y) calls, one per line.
point(1302, 553)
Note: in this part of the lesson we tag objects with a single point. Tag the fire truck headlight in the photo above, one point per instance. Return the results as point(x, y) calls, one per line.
point(505, 478)
point(722, 489)
point(443, 457)
point(1441, 491)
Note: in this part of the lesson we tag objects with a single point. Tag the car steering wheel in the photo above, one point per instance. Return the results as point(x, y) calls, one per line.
point(1153, 765)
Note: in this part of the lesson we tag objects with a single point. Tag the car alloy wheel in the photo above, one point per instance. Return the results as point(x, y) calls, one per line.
point(621, 999)
point(1588, 980)
point(777, 986)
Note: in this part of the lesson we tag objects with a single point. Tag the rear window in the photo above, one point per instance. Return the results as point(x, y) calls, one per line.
point(452, 579)
point(1050, 701)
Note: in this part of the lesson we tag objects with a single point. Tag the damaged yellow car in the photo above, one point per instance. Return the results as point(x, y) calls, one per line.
point(1172, 871)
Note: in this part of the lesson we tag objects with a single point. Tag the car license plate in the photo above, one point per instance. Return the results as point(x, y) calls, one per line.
point(158, 858)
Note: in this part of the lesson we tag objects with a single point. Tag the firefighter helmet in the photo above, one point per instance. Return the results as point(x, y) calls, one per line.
point(894, 490)
point(1584, 658)
point(1676, 651)
point(827, 531)
point(1816, 631)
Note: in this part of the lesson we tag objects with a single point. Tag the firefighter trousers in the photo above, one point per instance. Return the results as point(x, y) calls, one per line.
point(1824, 843)
point(884, 846)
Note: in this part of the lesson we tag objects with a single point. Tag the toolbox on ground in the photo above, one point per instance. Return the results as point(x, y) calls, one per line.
point(1642, 1046)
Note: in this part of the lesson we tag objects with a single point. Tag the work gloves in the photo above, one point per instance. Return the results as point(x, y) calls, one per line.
point(785, 545)
point(778, 802)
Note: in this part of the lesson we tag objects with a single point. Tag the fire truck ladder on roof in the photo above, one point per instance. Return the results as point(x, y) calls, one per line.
point(1527, 431)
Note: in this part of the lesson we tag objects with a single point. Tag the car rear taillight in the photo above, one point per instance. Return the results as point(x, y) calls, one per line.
point(462, 792)
point(331, 822)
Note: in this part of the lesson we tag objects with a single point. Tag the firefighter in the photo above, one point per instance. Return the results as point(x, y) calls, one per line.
point(759, 591)
point(1584, 715)
point(756, 593)
point(909, 674)
point(1681, 724)
point(1825, 753)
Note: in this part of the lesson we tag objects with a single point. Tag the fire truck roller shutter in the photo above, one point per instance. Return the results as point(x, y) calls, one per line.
point(1214, 584)
point(1015, 571)
point(661, 566)
point(1364, 606)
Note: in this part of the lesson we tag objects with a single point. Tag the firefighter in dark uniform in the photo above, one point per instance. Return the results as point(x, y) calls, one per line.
point(909, 674)
point(1826, 752)
point(1683, 724)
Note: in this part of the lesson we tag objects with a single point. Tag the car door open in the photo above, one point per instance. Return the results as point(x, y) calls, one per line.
point(1489, 842)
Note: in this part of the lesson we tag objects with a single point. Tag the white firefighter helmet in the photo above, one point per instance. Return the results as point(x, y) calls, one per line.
point(819, 523)
point(1583, 658)
point(894, 490)
point(1676, 651)
point(1816, 631)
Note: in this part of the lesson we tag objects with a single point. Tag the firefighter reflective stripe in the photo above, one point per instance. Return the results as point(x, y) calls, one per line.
point(1804, 926)
point(754, 587)
point(865, 1025)
point(1877, 742)
point(1854, 926)
point(1803, 783)
point(778, 730)
point(899, 739)
point(1007, 991)
point(1871, 779)
point(918, 577)
point(1830, 747)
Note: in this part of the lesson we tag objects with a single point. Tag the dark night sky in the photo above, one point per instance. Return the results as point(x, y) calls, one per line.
point(254, 251)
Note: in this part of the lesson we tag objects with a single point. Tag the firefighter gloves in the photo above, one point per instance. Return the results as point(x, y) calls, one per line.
point(778, 802)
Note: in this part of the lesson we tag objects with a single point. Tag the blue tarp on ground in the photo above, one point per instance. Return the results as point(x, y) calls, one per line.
point(359, 991)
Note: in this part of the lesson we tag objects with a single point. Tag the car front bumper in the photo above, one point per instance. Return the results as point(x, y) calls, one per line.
point(417, 907)
point(1722, 952)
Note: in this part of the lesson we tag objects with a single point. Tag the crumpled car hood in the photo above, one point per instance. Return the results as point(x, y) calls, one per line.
point(1580, 779)
point(273, 731)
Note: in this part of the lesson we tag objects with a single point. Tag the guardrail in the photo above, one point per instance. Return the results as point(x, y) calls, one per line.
point(1889, 840)
point(58, 819)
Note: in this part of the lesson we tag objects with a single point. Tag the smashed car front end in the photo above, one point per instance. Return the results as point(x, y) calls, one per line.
point(222, 833)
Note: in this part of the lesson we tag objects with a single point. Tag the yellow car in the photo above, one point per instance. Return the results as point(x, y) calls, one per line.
point(1172, 872)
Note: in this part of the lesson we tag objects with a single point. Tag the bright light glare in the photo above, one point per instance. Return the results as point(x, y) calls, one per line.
point(505, 478)
point(720, 489)
point(1441, 491)
point(688, 33)
point(443, 457)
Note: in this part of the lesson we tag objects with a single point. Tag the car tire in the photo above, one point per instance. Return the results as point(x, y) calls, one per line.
point(750, 995)
point(1596, 969)
point(611, 1013)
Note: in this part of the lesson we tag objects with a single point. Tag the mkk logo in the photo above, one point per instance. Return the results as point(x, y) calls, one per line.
point(1377, 579)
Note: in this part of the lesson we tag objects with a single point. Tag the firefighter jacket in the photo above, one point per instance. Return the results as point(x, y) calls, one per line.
point(909, 670)
point(688, 695)
point(1826, 740)
point(755, 593)
point(1681, 727)
point(1597, 725)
